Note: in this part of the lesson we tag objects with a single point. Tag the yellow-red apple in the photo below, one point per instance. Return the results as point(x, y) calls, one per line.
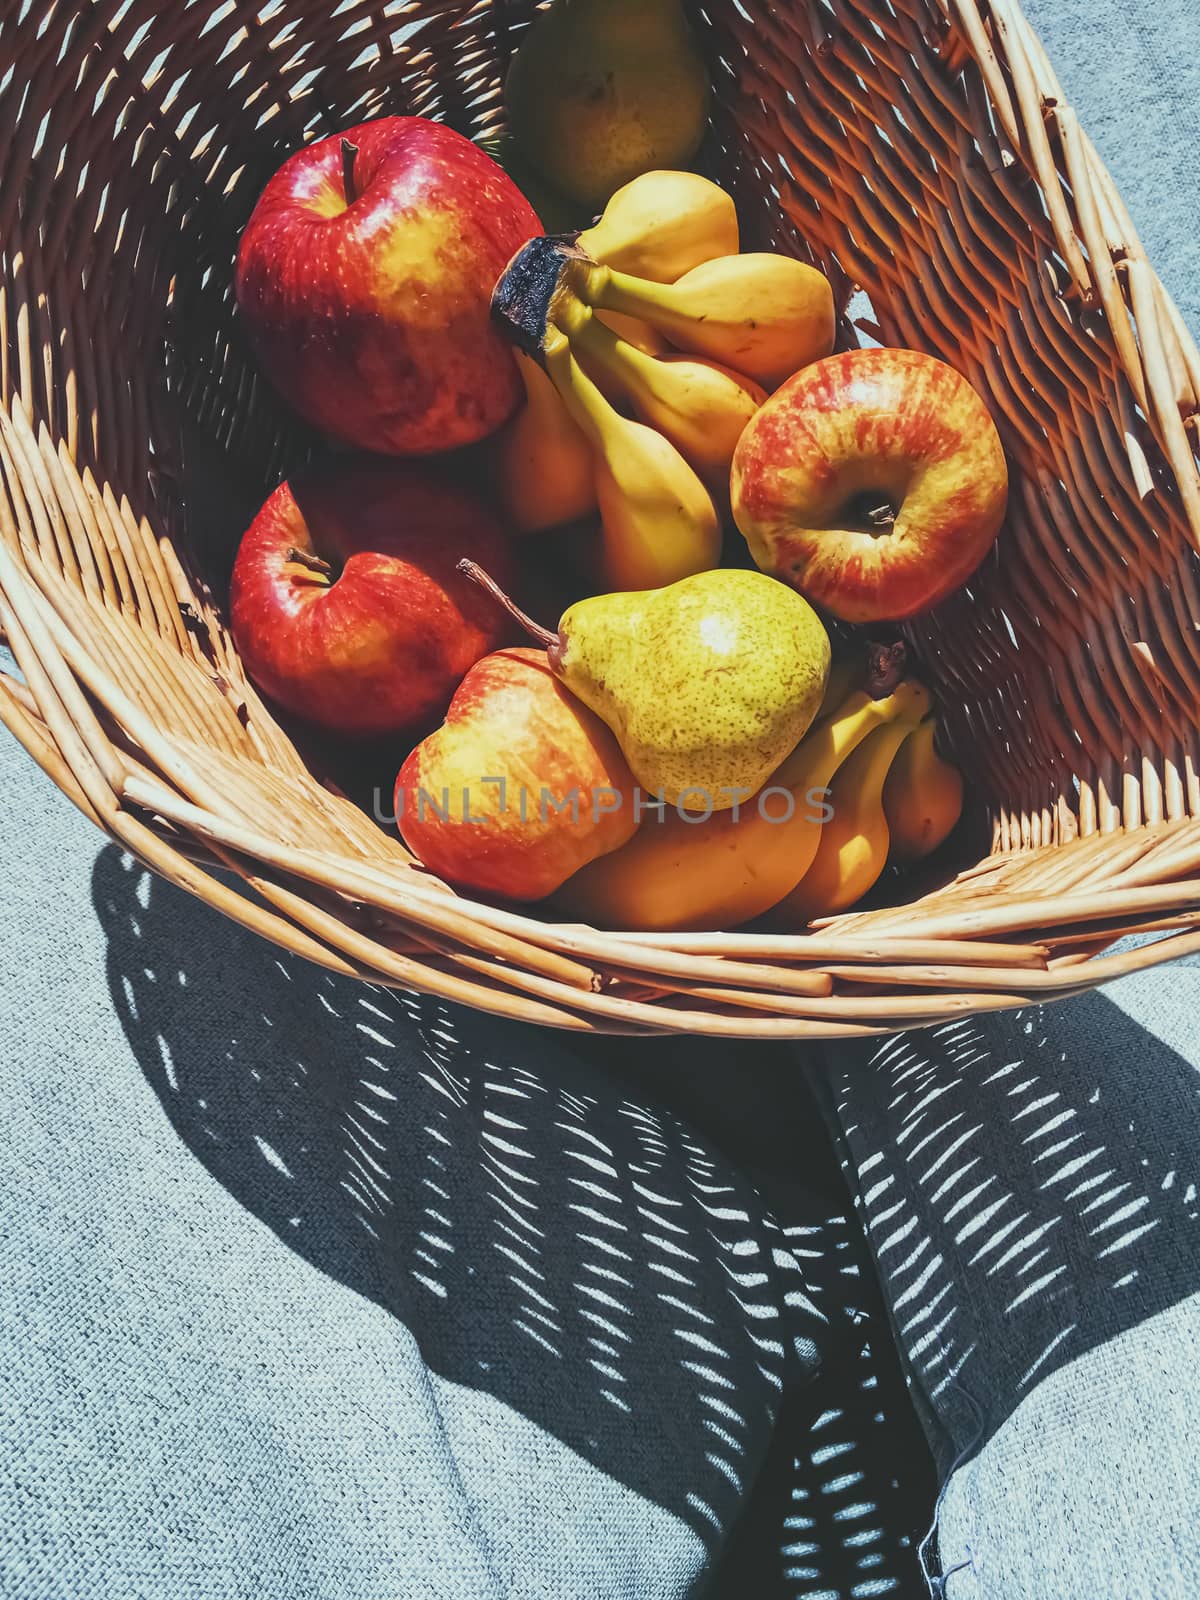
point(520, 787)
point(346, 603)
point(874, 482)
point(364, 280)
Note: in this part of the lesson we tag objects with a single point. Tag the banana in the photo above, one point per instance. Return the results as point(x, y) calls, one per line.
point(702, 408)
point(639, 334)
point(847, 672)
point(853, 847)
point(543, 468)
point(659, 522)
point(732, 866)
point(763, 315)
point(922, 797)
point(663, 224)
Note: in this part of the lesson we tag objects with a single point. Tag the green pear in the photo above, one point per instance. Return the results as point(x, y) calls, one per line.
point(601, 91)
point(708, 684)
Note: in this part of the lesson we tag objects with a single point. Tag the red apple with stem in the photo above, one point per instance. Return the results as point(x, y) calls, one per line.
point(874, 482)
point(364, 280)
point(346, 603)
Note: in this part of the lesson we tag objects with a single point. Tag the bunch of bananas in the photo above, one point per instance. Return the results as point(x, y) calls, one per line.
point(864, 787)
point(893, 800)
point(651, 343)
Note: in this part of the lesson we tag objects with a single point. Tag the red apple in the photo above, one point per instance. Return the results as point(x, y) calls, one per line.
point(346, 604)
point(520, 787)
point(873, 482)
point(364, 280)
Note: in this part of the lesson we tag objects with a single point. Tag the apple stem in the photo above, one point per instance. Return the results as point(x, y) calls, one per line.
point(310, 563)
point(349, 151)
point(534, 629)
point(881, 516)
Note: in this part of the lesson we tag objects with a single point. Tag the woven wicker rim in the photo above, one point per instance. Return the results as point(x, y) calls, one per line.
point(922, 152)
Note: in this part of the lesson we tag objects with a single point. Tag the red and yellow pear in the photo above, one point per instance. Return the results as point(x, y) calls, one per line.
point(520, 787)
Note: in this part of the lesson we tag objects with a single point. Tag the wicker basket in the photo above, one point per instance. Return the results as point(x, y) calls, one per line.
point(920, 151)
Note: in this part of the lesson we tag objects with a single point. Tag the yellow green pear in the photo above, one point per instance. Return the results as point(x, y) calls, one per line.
point(707, 683)
point(601, 91)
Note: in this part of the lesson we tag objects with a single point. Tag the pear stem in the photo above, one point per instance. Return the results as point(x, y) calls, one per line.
point(534, 629)
point(349, 151)
point(310, 562)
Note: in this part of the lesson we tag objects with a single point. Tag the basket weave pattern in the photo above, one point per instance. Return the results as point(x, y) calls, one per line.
point(917, 150)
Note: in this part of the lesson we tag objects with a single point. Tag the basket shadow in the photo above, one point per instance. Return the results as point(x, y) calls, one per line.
point(571, 1250)
point(848, 1486)
point(1030, 1191)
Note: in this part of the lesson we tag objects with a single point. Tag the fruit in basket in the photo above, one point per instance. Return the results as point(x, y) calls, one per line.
point(602, 90)
point(346, 603)
point(847, 671)
point(853, 848)
point(763, 315)
point(922, 797)
point(707, 683)
point(663, 224)
point(658, 520)
point(544, 472)
point(363, 281)
point(702, 408)
point(730, 868)
point(874, 482)
point(639, 334)
point(519, 787)
point(555, 211)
